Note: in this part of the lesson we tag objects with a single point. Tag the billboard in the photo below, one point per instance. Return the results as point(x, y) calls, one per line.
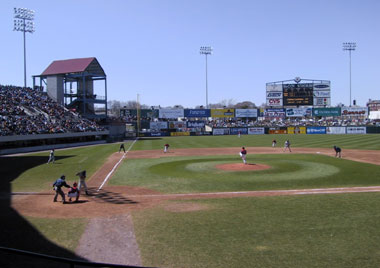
point(321, 94)
point(177, 124)
point(256, 130)
point(196, 124)
point(223, 113)
point(274, 101)
point(274, 112)
point(274, 87)
point(274, 95)
point(322, 101)
point(221, 131)
point(197, 113)
point(278, 130)
point(336, 130)
point(355, 111)
point(316, 130)
point(296, 130)
point(186, 133)
point(321, 86)
point(298, 112)
point(236, 130)
point(298, 94)
point(356, 130)
point(326, 111)
point(245, 112)
point(158, 125)
point(170, 113)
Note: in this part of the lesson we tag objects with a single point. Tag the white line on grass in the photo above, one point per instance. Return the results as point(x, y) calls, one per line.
point(115, 166)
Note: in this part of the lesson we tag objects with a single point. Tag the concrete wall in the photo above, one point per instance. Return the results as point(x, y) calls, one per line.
point(55, 88)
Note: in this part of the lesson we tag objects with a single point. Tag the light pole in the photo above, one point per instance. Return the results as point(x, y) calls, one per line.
point(206, 51)
point(24, 23)
point(350, 46)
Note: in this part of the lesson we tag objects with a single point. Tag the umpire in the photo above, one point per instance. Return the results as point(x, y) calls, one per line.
point(58, 184)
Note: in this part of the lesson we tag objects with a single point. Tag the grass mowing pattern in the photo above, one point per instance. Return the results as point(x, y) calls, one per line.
point(198, 174)
point(363, 142)
point(286, 231)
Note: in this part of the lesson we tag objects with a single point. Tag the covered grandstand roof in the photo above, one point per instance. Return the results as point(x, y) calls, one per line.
point(90, 65)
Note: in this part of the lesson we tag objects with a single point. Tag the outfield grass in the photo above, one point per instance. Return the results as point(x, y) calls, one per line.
point(285, 231)
point(364, 142)
point(289, 171)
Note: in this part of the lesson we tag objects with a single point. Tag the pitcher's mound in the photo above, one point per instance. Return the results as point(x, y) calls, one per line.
point(241, 167)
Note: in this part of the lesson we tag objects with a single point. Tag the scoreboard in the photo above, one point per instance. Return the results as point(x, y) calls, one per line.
point(298, 94)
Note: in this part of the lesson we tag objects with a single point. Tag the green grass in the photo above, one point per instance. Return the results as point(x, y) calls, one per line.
point(285, 231)
point(63, 232)
point(364, 142)
point(198, 173)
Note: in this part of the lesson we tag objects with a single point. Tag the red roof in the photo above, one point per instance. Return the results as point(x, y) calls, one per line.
point(68, 66)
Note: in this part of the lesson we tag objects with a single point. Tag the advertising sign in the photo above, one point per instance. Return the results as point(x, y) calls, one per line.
point(322, 94)
point(356, 130)
point(222, 113)
point(186, 133)
point(197, 113)
point(296, 130)
point(236, 130)
point(278, 131)
point(274, 102)
point(177, 124)
point(196, 124)
point(274, 87)
point(171, 113)
point(158, 125)
point(274, 94)
point(355, 111)
point(336, 130)
point(298, 94)
point(256, 130)
point(322, 87)
point(298, 112)
point(326, 111)
point(274, 112)
point(221, 131)
point(245, 112)
point(316, 130)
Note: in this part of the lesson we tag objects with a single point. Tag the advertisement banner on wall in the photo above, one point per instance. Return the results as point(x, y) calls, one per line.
point(222, 113)
point(158, 125)
point(355, 111)
point(177, 124)
point(336, 130)
point(316, 130)
point(277, 95)
point(298, 112)
point(296, 130)
point(245, 112)
point(274, 102)
point(256, 130)
point(274, 112)
point(236, 130)
point(171, 113)
point(221, 131)
point(197, 113)
point(321, 87)
point(326, 111)
point(186, 133)
point(274, 87)
point(356, 130)
point(277, 131)
point(322, 94)
point(196, 124)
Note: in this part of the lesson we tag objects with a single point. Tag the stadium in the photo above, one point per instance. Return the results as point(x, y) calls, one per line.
point(294, 182)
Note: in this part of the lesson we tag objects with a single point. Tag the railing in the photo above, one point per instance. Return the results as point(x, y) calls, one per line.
point(71, 263)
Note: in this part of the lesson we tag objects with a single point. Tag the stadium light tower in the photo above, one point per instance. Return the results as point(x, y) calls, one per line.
point(206, 51)
point(349, 46)
point(23, 22)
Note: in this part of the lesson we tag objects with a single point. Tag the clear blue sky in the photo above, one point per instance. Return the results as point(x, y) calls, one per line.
point(151, 48)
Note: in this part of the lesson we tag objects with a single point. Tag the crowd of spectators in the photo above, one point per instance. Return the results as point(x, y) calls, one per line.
point(24, 111)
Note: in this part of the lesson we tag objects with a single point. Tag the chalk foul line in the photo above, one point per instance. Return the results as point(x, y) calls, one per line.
point(116, 165)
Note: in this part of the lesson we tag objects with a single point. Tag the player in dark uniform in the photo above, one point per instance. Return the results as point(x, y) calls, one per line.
point(122, 147)
point(338, 151)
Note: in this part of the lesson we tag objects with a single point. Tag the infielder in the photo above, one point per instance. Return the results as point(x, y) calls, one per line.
point(166, 148)
point(243, 155)
point(122, 147)
point(82, 182)
point(287, 146)
point(338, 151)
point(274, 142)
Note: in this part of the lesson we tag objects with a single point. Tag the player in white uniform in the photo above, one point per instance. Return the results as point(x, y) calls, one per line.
point(82, 181)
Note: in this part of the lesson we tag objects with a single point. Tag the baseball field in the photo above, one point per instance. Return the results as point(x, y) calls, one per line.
point(198, 205)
